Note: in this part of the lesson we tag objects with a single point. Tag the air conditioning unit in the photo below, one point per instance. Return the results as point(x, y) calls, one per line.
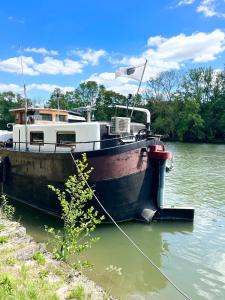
point(120, 125)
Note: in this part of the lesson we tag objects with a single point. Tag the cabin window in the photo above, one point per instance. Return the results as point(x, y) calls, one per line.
point(36, 137)
point(17, 116)
point(66, 138)
point(23, 117)
point(45, 117)
point(62, 118)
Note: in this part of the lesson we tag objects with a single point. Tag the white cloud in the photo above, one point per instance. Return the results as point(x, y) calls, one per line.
point(185, 2)
point(90, 56)
point(172, 53)
point(120, 85)
point(13, 65)
point(33, 87)
point(10, 87)
point(41, 51)
point(155, 40)
point(48, 66)
point(55, 66)
point(208, 8)
point(165, 54)
point(194, 47)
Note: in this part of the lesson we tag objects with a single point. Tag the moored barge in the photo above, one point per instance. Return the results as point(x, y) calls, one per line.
point(128, 163)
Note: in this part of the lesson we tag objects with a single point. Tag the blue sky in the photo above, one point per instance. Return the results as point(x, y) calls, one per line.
point(66, 42)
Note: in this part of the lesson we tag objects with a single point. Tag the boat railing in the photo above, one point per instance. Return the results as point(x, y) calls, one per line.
point(41, 144)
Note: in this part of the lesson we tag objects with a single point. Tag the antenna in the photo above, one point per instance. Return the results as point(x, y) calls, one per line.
point(25, 96)
point(57, 97)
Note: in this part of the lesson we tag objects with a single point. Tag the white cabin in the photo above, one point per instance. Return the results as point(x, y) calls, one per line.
point(57, 137)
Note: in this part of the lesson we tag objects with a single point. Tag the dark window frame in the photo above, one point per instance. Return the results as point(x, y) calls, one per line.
point(67, 144)
point(32, 142)
point(45, 116)
point(62, 116)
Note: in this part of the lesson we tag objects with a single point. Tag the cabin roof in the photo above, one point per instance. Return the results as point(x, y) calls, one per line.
point(58, 124)
point(38, 108)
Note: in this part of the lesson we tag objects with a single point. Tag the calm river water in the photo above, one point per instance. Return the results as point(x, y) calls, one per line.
point(192, 255)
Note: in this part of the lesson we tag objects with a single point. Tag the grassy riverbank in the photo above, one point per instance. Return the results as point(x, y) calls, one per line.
point(28, 271)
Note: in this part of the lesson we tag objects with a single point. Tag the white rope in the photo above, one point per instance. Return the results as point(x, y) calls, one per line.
point(130, 239)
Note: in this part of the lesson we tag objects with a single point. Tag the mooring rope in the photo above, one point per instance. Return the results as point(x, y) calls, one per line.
point(129, 238)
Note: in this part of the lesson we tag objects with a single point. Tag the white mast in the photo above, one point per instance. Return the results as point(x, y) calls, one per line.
point(25, 97)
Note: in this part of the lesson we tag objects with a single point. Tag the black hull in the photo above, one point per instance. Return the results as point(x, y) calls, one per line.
point(130, 196)
point(128, 184)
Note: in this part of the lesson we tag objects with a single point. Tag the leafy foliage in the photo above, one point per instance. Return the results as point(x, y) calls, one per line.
point(194, 109)
point(39, 257)
point(6, 209)
point(9, 100)
point(79, 217)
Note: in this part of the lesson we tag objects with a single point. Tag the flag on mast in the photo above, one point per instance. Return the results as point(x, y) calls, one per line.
point(135, 73)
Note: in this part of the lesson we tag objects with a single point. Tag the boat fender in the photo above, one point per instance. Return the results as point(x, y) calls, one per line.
point(169, 165)
point(158, 152)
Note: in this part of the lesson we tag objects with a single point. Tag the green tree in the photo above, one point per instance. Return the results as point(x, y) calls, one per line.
point(195, 110)
point(213, 111)
point(190, 125)
point(9, 100)
point(87, 92)
point(164, 86)
point(105, 102)
point(198, 84)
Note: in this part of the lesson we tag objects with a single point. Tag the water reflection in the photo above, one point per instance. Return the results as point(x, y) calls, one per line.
point(114, 249)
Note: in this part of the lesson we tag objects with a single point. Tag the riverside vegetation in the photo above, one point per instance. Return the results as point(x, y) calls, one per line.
point(79, 218)
point(28, 271)
point(185, 106)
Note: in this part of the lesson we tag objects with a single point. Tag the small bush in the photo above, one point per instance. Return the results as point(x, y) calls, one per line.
point(79, 217)
point(3, 239)
point(39, 257)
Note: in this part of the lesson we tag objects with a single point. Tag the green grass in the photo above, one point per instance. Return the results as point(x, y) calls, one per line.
point(43, 274)
point(16, 287)
point(6, 285)
point(39, 257)
point(3, 239)
point(2, 227)
point(77, 293)
point(24, 271)
point(11, 261)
